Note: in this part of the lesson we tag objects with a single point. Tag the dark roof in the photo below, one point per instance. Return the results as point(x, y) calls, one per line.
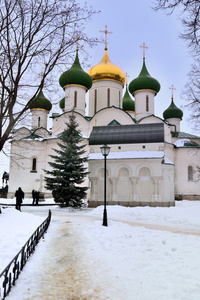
point(191, 144)
point(114, 123)
point(127, 134)
point(184, 135)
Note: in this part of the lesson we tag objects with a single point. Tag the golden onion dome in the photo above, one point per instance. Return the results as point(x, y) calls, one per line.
point(107, 70)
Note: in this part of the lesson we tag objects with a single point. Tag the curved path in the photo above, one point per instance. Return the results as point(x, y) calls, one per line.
point(61, 268)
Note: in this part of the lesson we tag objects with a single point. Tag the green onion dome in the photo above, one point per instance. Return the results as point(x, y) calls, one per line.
point(173, 112)
point(75, 75)
point(40, 102)
point(62, 103)
point(128, 103)
point(144, 81)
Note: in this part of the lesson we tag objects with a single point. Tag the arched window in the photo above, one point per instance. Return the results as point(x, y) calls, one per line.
point(39, 122)
point(108, 97)
point(190, 173)
point(95, 101)
point(34, 164)
point(147, 103)
point(119, 99)
point(75, 98)
point(145, 172)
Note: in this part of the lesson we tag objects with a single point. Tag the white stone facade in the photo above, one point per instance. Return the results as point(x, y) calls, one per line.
point(138, 173)
point(105, 93)
point(132, 182)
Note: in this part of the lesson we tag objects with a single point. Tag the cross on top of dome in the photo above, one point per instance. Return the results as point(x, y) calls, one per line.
point(106, 36)
point(172, 88)
point(144, 47)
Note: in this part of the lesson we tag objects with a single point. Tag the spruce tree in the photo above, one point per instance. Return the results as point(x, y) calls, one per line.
point(67, 168)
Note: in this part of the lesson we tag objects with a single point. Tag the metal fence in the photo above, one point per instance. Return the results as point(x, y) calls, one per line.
point(12, 271)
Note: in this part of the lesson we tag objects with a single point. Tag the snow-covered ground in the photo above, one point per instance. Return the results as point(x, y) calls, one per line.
point(144, 254)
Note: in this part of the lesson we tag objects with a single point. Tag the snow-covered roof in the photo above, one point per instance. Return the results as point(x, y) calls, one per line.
point(33, 137)
point(186, 143)
point(168, 161)
point(128, 155)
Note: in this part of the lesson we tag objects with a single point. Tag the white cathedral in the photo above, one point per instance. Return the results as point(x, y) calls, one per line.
point(151, 161)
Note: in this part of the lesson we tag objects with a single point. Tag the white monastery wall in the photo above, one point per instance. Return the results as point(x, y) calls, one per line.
point(69, 98)
point(20, 133)
point(59, 124)
point(22, 173)
point(141, 108)
point(99, 91)
point(105, 116)
point(186, 184)
point(132, 182)
point(39, 118)
point(176, 124)
point(130, 147)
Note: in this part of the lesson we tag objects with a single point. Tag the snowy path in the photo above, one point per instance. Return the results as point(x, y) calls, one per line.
point(161, 228)
point(65, 267)
point(61, 268)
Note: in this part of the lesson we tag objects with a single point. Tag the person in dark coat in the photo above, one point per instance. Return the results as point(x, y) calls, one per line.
point(33, 196)
point(19, 194)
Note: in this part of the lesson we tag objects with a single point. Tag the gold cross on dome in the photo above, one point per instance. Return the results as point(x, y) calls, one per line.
point(144, 47)
point(106, 36)
point(127, 78)
point(172, 88)
point(41, 75)
point(77, 39)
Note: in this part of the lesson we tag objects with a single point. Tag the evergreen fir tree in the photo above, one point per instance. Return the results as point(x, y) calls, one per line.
point(68, 170)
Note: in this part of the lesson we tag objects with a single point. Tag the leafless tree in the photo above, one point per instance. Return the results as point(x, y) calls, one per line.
point(35, 36)
point(191, 94)
point(189, 14)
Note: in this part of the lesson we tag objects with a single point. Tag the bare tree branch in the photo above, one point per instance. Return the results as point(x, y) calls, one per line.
point(189, 13)
point(191, 94)
point(35, 35)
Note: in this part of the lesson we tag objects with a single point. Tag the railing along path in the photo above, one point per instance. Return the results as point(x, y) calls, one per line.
point(14, 268)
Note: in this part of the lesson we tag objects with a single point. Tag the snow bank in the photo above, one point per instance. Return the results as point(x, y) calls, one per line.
point(184, 215)
point(127, 262)
point(16, 228)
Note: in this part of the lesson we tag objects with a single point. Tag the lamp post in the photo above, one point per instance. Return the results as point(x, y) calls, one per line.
point(105, 149)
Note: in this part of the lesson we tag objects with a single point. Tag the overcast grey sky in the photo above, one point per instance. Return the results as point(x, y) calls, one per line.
point(132, 23)
point(167, 57)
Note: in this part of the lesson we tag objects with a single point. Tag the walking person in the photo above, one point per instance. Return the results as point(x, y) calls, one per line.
point(19, 194)
point(33, 196)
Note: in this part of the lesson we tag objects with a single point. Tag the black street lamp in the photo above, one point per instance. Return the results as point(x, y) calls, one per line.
point(105, 149)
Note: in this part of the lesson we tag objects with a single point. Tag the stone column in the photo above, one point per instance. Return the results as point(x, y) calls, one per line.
point(93, 189)
point(134, 193)
point(114, 195)
point(156, 196)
